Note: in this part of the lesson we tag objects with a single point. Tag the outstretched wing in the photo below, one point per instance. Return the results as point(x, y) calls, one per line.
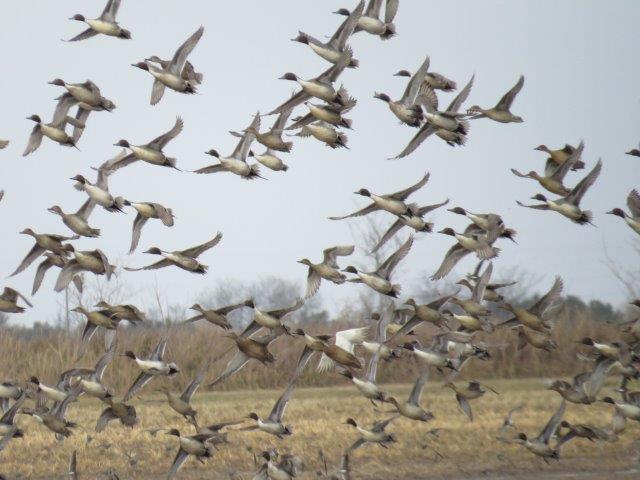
point(160, 142)
point(238, 361)
point(364, 211)
point(139, 382)
point(34, 253)
point(508, 98)
point(110, 11)
point(452, 257)
point(581, 188)
point(177, 62)
point(195, 252)
point(390, 263)
point(404, 194)
point(548, 299)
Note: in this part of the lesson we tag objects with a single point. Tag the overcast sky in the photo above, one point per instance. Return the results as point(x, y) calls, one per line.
point(580, 63)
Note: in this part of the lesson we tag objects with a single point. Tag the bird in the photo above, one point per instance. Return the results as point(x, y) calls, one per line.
point(105, 24)
point(421, 313)
point(634, 152)
point(4, 144)
point(123, 312)
point(331, 113)
point(411, 409)
point(273, 423)
point(94, 261)
point(184, 259)
point(151, 152)
point(502, 111)
point(472, 319)
point(171, 75)
point(540, 445)
point(78, 221)
point(8, 428)
point(54, 419)
point(270, 159)
point(120, 411)
point(9, 301)
point(473, 390)
point(90, 379)
point(491, 293)
point(392, 202)
point(324, 132)
point(152, 367)
point(281, 467)
point(371, 22)
point(434, 80)
point(218, 316)
point(95, 320)
point(147, 210)
point(328, 269)
point(188, 71)
point(569, 205)
point(534, 316)
point(272, 138)
point(271, 319)
point(380, 279)
point(374, 434)
point(44, 242)
point(557, 158)
point(55, 130)
point(195, 445)
point(633, 218)
point(182, 403)
point(436, 355)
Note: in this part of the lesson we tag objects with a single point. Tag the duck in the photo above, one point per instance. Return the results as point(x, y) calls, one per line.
point(422, 313)
point(4, 144)
point(617, 350)
point(393, 203)
point(333, 49)
point(54, 419)
point(171, 75)
point(450, 124)
point(195, 445)
point(380, 279)
point(487, 222)
point(218, 316)
point(125, 414)
point(87, 97)
point(539, 340)
point(94, 261)
point(328, 269)
point(435, 356)
point(340, 353)
point(415, 221)
point(272, 138)
point(632, 219)
point(77, 222)
point(54, 130)
point(270, 159)
point(95, 319)
point(271, 319)
point(501, 112)
point(9, 301)
point(407, 109)
point(237, 162)
point(554, 182)
point(569, 205)
point(371, 22)
point(105, 24)
point(374, 434)
point(472, 317)
point(90, 379)
point(150, 368)
point(319, 87)
point(331, 113)
point(279, 467)
point(557, 158)
point(540, 445)
point(435, 81)
point(473, 390)
point(585, 386)
point(147, 210)
point(44, 242)
point(582, 430)
point(533, 317)
point(411, 409)
point(473, 239)
point(188, 71)
point(99, 195)
point(634, 152)
point(8, 428)
point(184, 259)
point(182, 403)
point(9, 390)
point(151, 152)
point(324, 132)
point(58, 392)
point(491, 293)
point(127, 312)
point(273, 423)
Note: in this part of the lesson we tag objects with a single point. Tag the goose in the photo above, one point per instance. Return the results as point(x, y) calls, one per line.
point(634, 152)
point(540, 445)
point(331, 113)
point(127, 312)
point(77, 222)
point(147, 210)
point(392, 203)
point(534, 316)
point(152, 367)
point(184, 259)
point(557, 158)
point(182, 403)
point(374, 434)
point(554, 182)
point(44, 242)
point(171, 75)
point(218, 316)
point(87, 97)
point(237, 161)
point(632, 219)
point(328, 269)
point(501, 112)
point(188, 71)
point(195, 445)
point(319, 87)
point(120, 411)
point(271, 319)
point(324, 132)
point(473, 390)
point(8, 428)
point(411, 409)
point(90, 379)
point(380, 279)
point(434, 80)
point(407, 110)
point(421, 313)
point(569, 205)
point(333, 49)
point(415, 221)
point(270, 160)
point(273, 423)
point(94, 261)
point(151, 152)
point(341, 352)
point(9, 301)
point(95, 319)
point(370, 21)
point(105, 24)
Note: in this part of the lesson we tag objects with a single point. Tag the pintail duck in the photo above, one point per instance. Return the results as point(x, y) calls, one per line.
point(569, 205)
point(195, 445)
point(95, 319)
point(171, 75)
point(558, 157)
point(617, 350)
point(152, 367)
point(331, 113)
point(370, 21)
point(491, 290)
point(4, 144)
point(411, 409)
point(581, 430)
point(147, 210)
point(421, 313)
point(324, 132)
point(273, 423)
point(473, 239)
point(105, 24)
point(632, 219)
point(9, 390)
point(127, 312)
point(392, 203)
point(328, 269)
point(534, 317)
point(44, 242)
point(272, 138)
point(436, 355)
point(182, 403)
point(319, 87)
point(373, 434)
point(341, 352)
point(336, 46)
point(380, 279)
point(626, 408)
point(126, 414)
point(58, 392)
point(379, 342)
point(94, 261)
point(151, 152)
point(487, 222)
point(540, 445)
point(434, 80)
point(90, 379)
point(415, 221)
point(472, 318)
point(87, 97)
point(279, 467)
point(218, 316)
point(188, 71)
point(585, 386)
point(8, 428)
point(184, 259)
point(270, 160)
point(472, 391)
point(55, 130)
point(9, 301)
point(540, 340)
point(271, 319)
point(407, 109)
point(237, 161)
point(448, 125)
point(99, 195)
point(54, 419)
point(634, 152)
point(77, 222)
point(501, 112)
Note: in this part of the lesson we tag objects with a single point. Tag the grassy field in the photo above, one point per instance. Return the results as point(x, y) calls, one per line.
point(464, 449)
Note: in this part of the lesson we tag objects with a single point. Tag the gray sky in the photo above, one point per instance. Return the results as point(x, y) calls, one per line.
point(578, 57)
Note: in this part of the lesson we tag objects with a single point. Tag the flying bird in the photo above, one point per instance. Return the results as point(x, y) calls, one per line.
point(105, 24)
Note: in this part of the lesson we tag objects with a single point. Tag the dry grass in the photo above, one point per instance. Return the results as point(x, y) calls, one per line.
point(469, 450)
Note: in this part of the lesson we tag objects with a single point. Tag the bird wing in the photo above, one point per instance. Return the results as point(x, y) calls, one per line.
point(404, 194)
point(364, 211)
point(374, 8)
point(160, 142)
point(238, 361)
point(88, 33)
point(82, 115)
point(346, 339)
point(541, 306)
point(413, 87)
point(452, 257)
point(313, 283)
point(35, 139)
point(371, 371)
point(633, 202)
point(73, 469)
point(386, 269)
point(508, 98)
point(380, 425)
point(40, 273)
point(138, 223)
point(333, 72)
point(177, 62)
point(305, 355)
point(553, 424)
point(393, 229)
point(194, 385)
point(110, 11)
point(180, 458)
point(230, 308)
point(281, 121)
point(429, 208)
point(465, 406)
point(158, 353)
point(105, 417)
point(278, 409)
point(154, 266)
point(195, 252)
point(581, 188)
point(104, 361)
point(34, 253)
point(425, 132)
point(139, 382)
point(65, 102)
point(481, 284)
point(211, 169)
point(157, 91)
point(563, 169)
point(390, 10)
point(542, 206)
point(70, 270)
point(292, 102)
point(282, 312)
point(246, 139)
point(345, 30)
point(416, 393)
point(87, 333)
point(459, 99)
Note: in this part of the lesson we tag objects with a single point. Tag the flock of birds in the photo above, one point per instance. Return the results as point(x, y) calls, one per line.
point(459, 326)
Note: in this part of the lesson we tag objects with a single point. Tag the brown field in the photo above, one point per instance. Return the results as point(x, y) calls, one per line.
point(468, 450)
